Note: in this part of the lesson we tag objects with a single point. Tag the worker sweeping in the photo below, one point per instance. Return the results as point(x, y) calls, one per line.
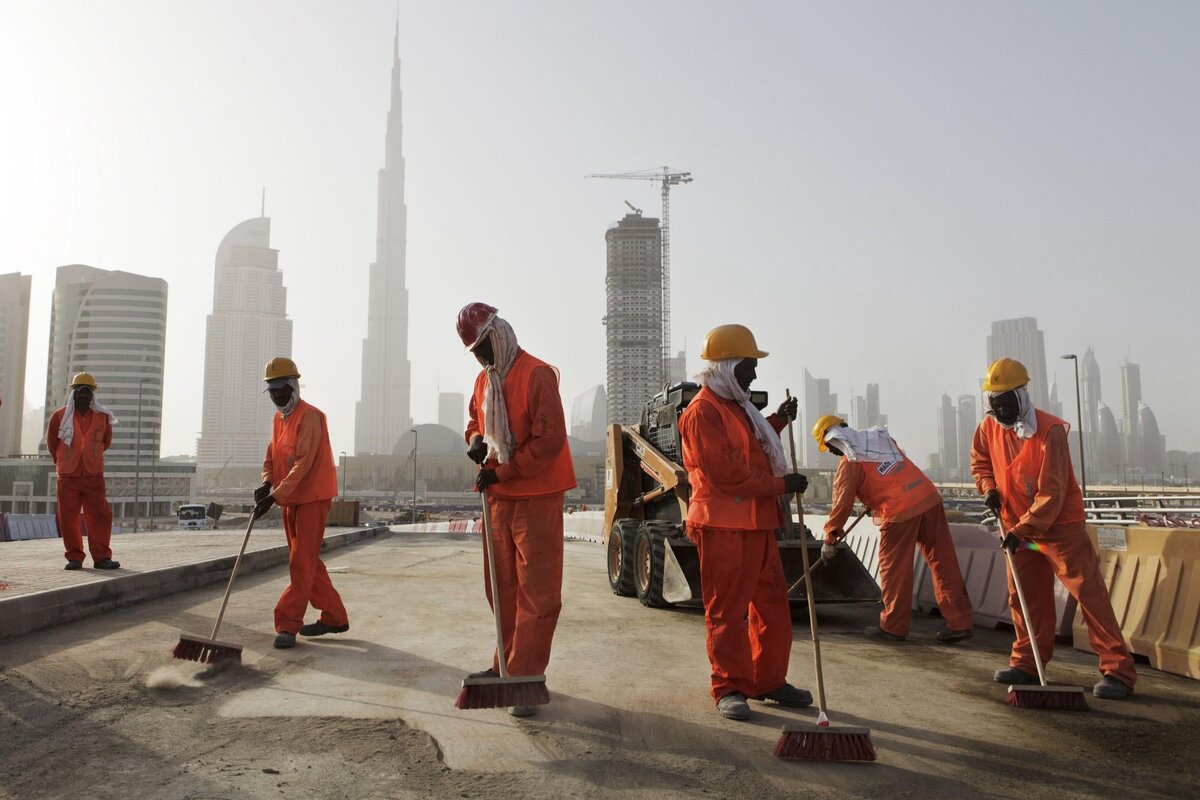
point(299, 475)
point(738, 472)
point(77, 436)
point(1022, 466)
point(909, 511)
point(517, 434)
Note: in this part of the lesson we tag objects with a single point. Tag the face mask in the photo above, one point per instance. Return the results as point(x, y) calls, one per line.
point(1005, 408)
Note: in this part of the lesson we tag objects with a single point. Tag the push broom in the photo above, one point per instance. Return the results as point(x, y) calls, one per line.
point(212, 650)
point(822, 741)
point(823, 560)
point(505, 690)
point(1067, 698)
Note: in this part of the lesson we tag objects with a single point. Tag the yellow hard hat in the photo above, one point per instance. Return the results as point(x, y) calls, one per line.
point(84, 379)
point(1005, 374)
point(730, 341)
point(280, 367)
point(822, 427)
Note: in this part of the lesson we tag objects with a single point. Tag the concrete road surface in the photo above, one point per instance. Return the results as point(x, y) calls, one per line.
point(98, 709)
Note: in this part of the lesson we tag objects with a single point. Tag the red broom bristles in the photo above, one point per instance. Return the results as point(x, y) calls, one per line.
point(1061, 698)
point(816, 744)
point(205, 651)
point(500, 693)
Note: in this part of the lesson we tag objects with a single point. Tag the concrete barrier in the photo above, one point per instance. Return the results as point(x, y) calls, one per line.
point(23, 527)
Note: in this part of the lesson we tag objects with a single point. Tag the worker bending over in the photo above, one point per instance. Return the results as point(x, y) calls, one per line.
point(738, 473)
point(1022, 466)
point(298, 474)
point(909, 512)
point(518, 435)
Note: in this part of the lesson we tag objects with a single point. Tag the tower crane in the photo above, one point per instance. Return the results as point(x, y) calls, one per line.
point(667, 178)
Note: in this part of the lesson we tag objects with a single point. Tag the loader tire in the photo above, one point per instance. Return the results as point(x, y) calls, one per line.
point(620, 557)
point(649, 555)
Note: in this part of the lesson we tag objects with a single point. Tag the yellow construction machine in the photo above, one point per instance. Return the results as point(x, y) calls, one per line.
point(645, 505)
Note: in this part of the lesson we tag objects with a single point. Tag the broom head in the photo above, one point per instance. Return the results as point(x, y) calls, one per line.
point(1063, 698)
point(206, 651)
point(515, 690)
point(825, 743)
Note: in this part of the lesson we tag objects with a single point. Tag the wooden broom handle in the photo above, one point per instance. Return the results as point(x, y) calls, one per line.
point(232, 575)
point(501, 656)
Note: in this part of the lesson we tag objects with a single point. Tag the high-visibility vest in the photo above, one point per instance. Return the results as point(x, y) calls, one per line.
point(709, 507)
point(1018, 480)
point(559, 475)
point(321, 481)
point(85, 455)
point(894, 489)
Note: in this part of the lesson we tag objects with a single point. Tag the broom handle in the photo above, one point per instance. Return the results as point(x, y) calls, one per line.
point(232, 575)
point(822, 559)
point(1012, 568)
point(501, 656)
point(812, 606)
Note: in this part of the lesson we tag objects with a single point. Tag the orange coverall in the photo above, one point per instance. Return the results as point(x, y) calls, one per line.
point(526, 512)
point(1064, 548)
point(746, 612)
point(80, 469)
point(299, 466)
point(904, 523)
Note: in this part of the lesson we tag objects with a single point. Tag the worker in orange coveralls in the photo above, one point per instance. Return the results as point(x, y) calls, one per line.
point(909, 512)
point(77, 436)
point(737, 472)
point(298, 474)
point(1022, 466)
point(517, 434)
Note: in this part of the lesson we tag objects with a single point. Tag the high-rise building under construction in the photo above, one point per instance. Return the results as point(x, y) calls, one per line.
point(633, 283)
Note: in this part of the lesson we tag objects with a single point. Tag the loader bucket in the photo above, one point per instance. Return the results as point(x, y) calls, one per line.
point(840, 580)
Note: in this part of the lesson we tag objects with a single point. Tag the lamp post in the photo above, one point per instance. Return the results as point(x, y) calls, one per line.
point(154, 470)
point(1079, 415)
point(416, 444)
point(137, 459)
point(343, 475)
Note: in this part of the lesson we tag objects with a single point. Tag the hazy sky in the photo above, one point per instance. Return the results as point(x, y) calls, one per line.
point(874, 182)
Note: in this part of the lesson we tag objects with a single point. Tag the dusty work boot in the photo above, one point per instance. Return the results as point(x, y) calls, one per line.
point(733, 706)
point(107, 563)
point(74, 565)
point(284, 640)
point(484, 673)
point(523, 711)
point(1111, 688)
point(876, 632)
point(319, 628)
point(787, 695)
point(1014, 676)
point(948, 635)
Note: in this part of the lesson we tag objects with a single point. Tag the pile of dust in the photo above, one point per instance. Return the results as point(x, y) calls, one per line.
point(172, 677)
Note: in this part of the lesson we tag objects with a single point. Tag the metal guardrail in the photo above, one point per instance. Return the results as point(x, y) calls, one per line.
point(1156, 511)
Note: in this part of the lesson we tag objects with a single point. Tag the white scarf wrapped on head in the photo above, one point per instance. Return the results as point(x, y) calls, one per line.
point(1026, 424)
point(66, 429)
point(874, 444)
point(718, 378)
point(497, 435)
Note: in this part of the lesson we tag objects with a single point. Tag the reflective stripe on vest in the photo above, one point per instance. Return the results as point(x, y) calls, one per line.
point(85, 456)
point(1018, 480)
point(893, 488)
point(709, 507)
point(321, 481)
point(559, 476)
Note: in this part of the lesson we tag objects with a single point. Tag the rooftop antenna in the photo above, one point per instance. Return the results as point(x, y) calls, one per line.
point(263, 213)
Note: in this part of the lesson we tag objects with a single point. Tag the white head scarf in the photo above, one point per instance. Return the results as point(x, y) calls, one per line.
point(498, 437)
point(66, 429)
point(293, 401)
point(1026, 424)
point(874, 444)
point(718, 378)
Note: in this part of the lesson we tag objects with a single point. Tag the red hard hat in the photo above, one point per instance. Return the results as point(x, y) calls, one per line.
point(472, 320)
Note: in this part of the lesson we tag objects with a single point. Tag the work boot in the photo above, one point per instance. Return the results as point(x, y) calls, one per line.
point(74, 565)
point(107, 563)
point(484, 673)
point(523, 711)
point(284, 640)
point(787, 695)
point(948, 635)
point(319, 628)
point(1014, 676)
point(876, 632)
point(733, 706)
point(1111, 688)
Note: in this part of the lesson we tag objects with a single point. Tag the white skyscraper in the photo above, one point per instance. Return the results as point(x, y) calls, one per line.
point(948, 450)
point(1020, 339)
point(1089, 400)
point(633, 324)
point(452, 411)
point(589, 413)
point(248, 327)
point(14, 342)
point(382, 413)
point(967, 418)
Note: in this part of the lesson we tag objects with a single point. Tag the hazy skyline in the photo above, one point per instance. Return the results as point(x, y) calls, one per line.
point(874, 184)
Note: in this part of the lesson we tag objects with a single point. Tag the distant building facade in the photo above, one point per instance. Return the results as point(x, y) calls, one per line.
point(14, 343)
point(948, 450)
point(1020, 339)
point(818, 401)
point(967, 419)
point(589, 415)
point(452, 411)
point(633, 323)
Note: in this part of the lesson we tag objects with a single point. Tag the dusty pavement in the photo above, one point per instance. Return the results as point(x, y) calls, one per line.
point(98, 708)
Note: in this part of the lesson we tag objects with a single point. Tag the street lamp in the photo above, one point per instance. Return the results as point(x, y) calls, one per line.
point(343, 475)
point(1079, 415)
point(416, 443)
point(137, 459)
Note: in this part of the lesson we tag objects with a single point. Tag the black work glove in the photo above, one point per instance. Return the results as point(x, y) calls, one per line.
point(262, 491)
point(795, 483)
point(486, 478)
point(992, 501)
point(787, 409)
point(263, 506)
point(477, 452)
point(1011, 542)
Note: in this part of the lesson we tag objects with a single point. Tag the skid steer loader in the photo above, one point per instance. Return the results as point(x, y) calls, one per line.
point(645, 507)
